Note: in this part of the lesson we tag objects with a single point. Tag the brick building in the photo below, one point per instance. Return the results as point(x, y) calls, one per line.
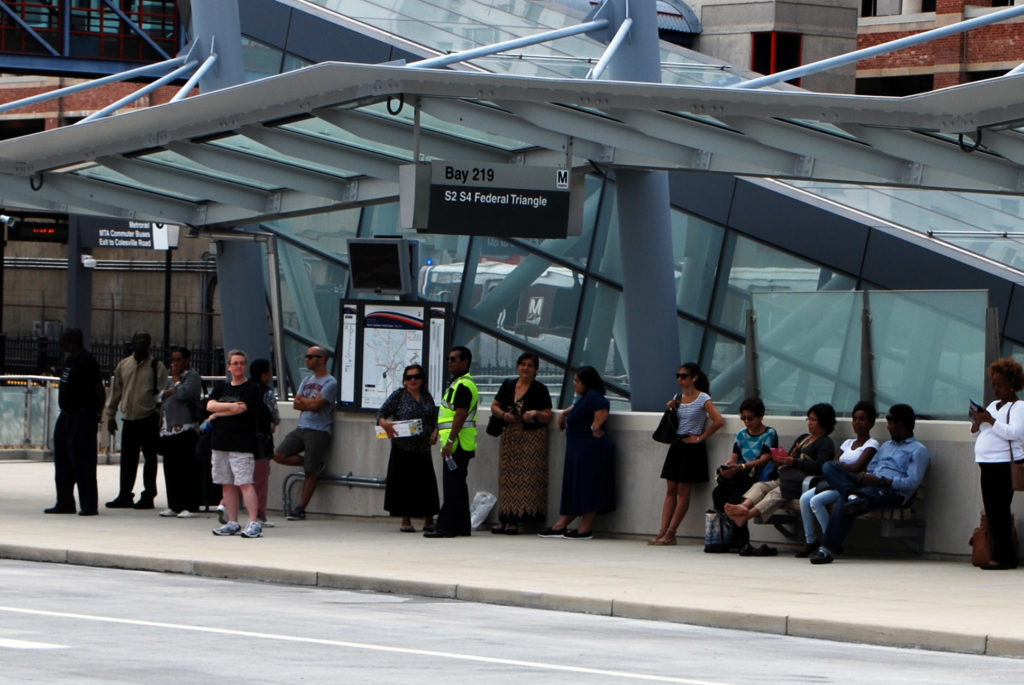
point(979, 54)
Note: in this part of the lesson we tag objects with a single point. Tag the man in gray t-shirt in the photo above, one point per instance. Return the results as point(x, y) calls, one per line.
point(307, 445)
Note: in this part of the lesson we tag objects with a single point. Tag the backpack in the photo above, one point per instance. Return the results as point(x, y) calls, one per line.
point(718, 531)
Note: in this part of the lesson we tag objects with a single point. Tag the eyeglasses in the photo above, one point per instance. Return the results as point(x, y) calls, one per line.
point(682, 375)
point(747, 417)
point(412, 377)
point(314, 356)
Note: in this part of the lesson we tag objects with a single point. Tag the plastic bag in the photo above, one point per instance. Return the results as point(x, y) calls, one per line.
point(480, 507)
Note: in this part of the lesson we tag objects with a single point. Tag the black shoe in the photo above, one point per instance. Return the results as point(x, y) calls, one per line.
point(499, 529)
point(577, 535)
point(438, 533)
point(296, 514)
point(59, 510)
point(121, 503)
point(746, 550)
point(809, 549)
point(855, 506)
point(993, 566)
point(822, 557)
point(511, 530)
point(551, 533)
point(90, 512)
point(143, 503)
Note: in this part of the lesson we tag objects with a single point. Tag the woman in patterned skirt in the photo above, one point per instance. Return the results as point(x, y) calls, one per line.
point(412, 485)
point(524, 404)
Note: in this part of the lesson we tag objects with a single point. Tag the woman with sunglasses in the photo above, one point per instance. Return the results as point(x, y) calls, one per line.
point(687, 460)
point(524, 404)
point(412, 486)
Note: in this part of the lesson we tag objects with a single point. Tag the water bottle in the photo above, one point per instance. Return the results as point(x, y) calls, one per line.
point(450, 463)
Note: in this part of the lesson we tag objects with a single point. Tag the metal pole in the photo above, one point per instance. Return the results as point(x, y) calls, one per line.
point(495, 48)
point(751, 386)
point(883, 48)
point(610, 51)
point(167, 299)
point(275, 315)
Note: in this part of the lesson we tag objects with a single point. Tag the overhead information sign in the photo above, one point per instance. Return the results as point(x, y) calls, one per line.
point(502, 200)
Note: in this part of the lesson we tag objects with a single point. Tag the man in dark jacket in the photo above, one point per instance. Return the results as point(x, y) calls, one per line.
point(80, 397)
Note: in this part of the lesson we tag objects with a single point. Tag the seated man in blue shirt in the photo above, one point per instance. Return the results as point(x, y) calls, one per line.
point(891, 479)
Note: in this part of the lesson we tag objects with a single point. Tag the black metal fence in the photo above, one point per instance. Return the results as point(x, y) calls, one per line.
point(42, 356)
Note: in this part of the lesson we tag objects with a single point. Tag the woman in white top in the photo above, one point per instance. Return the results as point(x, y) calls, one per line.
point(854, 455)
point(687, 459)
point(1000, 427)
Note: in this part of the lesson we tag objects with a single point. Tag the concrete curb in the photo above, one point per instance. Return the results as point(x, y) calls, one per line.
point(813, 628)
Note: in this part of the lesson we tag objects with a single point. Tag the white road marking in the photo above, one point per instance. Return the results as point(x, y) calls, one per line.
point(368, 646)
point(27, 644)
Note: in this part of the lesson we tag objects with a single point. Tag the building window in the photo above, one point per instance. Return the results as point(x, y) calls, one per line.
point(895, 86)
point(775, 51)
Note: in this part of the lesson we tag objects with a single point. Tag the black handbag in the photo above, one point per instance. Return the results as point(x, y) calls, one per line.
point(495, 424)
point(667, 427)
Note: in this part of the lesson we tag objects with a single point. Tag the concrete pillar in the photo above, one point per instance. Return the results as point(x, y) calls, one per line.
point(648, 271)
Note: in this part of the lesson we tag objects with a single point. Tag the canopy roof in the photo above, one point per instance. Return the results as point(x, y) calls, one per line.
point(334, 134)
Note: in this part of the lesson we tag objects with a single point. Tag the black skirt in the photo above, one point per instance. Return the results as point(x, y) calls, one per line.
point(686, 462)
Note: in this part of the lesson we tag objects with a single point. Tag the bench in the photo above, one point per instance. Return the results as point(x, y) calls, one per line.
point(903, 522)
point(350, 480)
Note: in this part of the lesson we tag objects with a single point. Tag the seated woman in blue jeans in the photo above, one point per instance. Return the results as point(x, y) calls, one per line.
point(854, 455)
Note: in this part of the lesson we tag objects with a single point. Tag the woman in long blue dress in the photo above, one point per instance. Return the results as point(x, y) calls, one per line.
point(588, 476)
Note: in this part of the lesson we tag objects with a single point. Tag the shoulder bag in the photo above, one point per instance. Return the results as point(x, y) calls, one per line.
point(1016, 467)
point(667, 427)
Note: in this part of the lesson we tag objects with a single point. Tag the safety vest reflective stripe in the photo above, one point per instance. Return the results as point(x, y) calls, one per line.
point(447, 425)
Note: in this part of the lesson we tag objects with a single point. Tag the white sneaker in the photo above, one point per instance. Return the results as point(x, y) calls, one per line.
point(168, 513)
point(253, 530)
point(229, 528)
point(268, 524)
point(222, 514)
point(186, 514)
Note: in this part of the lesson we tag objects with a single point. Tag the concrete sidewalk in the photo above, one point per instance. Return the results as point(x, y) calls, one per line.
point(909, 601)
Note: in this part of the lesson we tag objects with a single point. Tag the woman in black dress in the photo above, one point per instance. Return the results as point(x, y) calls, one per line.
point(412, 486)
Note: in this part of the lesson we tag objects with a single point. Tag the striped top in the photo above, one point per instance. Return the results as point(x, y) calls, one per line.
point(693, 416)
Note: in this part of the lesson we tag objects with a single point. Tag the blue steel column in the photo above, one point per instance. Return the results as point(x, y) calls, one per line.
point(240, 264)
point(648, 271)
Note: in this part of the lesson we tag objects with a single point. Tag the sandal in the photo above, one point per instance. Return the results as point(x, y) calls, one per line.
point(667, 540)
point(499, 529)
point(511, 530)
point(406, 529)
point(655, 540)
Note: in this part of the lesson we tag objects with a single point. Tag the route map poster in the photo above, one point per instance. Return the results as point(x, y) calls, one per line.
point(377, 340)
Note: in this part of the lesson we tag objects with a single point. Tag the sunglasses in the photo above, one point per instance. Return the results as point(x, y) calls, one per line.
point(412, 377)
point(314, 356)
point(682, 375)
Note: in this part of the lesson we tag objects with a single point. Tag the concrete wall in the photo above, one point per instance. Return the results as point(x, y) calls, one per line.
point(951, 506)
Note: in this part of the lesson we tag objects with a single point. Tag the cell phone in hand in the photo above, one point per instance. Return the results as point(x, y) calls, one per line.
point(975, 408)
point(779, 453)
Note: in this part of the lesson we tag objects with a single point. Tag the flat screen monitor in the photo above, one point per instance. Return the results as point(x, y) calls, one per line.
point(380, 265)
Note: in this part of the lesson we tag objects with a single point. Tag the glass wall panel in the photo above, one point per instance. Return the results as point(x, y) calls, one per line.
point(690, 335)
point(748, 266)
point(808, 349)
point(723, 362)
point(696, 246)
point(607, 259)
point(929, 349)
point(576, 248)
point(522, 295)
point(259, 59)
point(601, 334)
point(495, 360)
point(328, 232)
point(311, 290)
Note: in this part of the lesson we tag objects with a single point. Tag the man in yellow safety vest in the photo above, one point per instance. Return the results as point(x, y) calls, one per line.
point(456, 429)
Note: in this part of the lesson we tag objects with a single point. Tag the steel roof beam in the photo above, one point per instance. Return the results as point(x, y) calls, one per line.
point(323, 151)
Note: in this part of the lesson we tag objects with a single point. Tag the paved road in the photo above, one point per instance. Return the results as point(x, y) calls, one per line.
point(71, 624)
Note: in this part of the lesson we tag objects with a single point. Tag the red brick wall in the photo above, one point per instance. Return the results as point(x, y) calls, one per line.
point(79, 104)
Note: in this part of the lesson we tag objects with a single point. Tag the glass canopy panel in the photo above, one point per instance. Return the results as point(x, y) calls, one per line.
point(974, 221)
point(101, 173)
point(929, 349)
point(251, 147)
point(176, 161)
point(431, 123)
point(808, 349)
point(322, 130)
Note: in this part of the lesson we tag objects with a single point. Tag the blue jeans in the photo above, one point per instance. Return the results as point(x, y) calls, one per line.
point(814, 505)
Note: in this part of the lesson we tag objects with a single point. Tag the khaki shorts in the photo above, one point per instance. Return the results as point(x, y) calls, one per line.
point(232, 468)
point(311, 444)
